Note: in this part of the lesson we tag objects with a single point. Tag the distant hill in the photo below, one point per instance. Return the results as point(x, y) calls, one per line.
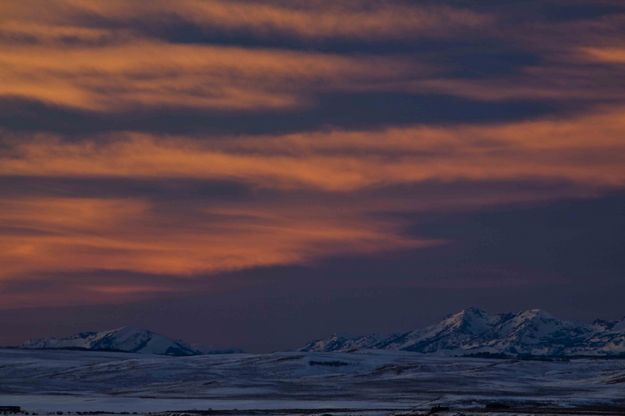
point(474, 332)
point(125, 339)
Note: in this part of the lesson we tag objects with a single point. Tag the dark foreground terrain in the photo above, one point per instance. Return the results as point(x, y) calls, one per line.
point(363, 383)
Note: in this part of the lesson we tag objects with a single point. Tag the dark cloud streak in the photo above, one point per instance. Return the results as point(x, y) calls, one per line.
point(343, 110)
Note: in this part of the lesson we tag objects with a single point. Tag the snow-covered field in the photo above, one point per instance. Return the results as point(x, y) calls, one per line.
point(45, 381)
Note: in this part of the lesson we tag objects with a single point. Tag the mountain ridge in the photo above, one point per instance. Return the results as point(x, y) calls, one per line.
point(123, 339)
point(472, 331)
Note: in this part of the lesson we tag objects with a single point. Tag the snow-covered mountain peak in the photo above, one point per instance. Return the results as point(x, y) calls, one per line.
point(125, 339)
point(535, 315)
point(471, 331)
point(470, 321)
point(470, 312)
point(129, 329)
point(533, 320)
point(467, 315)
point(130, 334)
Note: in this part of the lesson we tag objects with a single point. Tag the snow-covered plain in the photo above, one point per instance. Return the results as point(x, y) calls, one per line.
point(45, 381)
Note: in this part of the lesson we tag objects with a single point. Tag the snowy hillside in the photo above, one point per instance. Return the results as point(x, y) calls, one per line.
point(343, 344)
point(125, 339)
point(473, 331)
point(45, 381)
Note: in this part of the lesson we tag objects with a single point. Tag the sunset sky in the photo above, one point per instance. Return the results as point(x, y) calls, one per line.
point(261, 173)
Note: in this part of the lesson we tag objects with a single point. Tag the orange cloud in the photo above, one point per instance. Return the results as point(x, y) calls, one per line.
point(42, 235)
point(302, 19)
point(611, 55)
point(585, 150)
point(54, 52)
point(56, 235)
point(148, 73)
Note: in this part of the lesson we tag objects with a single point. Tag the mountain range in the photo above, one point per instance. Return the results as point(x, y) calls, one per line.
point(125, 339)
point(472, 331)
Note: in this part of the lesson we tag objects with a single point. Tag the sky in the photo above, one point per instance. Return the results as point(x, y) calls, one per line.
point(262, 173)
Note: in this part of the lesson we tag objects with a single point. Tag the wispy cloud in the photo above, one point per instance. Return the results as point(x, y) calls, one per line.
point(68, 234)
point(587, 149)
point(610, 55)
point(43, 235)
point(326, 191)
point(360, 19)
point(157, 74)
